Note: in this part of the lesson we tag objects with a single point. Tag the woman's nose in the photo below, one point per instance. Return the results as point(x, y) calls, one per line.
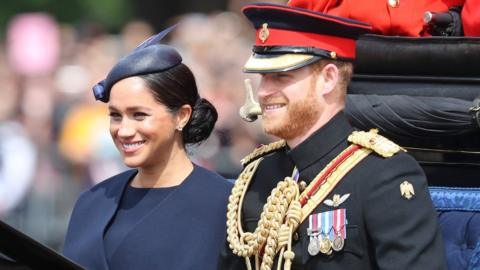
point(126, 129)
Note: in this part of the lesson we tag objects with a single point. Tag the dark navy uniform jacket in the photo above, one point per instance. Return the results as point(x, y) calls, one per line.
point(384, 231)
point(185, 231)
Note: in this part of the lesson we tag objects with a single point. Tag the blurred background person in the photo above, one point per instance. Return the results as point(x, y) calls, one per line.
point(18, 156)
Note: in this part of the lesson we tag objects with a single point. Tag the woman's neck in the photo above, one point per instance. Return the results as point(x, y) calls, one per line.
point(169, 171)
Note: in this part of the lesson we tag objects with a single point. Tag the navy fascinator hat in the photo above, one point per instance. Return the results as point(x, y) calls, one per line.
point(148, 57)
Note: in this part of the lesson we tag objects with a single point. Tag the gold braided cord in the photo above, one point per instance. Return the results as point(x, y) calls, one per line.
point(281, 215)
point(246, 244)
point(263, 150)
point(235, 201)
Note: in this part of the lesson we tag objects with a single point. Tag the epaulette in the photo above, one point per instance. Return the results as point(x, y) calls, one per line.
point(372, 140)
point(262, 151)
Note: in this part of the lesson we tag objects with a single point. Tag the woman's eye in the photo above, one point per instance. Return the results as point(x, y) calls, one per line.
point(139, 116)
point(115, 116)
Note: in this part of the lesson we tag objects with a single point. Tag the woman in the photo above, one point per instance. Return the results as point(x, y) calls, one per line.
point(166, 213)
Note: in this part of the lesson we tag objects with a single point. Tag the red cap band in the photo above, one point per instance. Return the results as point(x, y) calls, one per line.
point(343, 47)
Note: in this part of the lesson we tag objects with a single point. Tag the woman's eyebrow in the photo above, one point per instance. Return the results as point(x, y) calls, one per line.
point(131, 108)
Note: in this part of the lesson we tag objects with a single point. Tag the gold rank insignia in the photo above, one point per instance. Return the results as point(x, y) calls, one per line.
point(264, 33)
point(372, 140)
point(406, 190)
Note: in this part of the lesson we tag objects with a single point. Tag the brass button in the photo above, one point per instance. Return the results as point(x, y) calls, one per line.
point(302, 186)
point(393, 3)
point(295, 236)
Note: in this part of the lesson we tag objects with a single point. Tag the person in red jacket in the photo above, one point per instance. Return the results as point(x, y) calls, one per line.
point(400, 17)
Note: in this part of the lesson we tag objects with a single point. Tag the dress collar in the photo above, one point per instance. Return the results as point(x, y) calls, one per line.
point(322, 142)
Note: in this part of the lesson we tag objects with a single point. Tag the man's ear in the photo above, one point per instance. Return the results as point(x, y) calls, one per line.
point(183, 115)
point(330, 78)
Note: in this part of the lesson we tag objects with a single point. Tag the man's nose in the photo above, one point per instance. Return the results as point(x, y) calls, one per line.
point(266, 87)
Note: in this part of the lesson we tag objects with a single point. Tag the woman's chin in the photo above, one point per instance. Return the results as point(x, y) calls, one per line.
point(132, 163)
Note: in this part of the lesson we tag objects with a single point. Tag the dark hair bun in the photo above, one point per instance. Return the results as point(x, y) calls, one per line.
point(201, 123)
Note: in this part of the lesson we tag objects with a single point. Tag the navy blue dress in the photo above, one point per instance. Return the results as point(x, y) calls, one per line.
point(182, 230)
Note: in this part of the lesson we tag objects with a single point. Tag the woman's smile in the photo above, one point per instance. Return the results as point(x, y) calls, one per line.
point(132, 146)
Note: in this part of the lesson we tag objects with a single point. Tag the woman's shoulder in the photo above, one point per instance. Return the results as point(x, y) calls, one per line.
point(211, 179)
point(110, 186)
point(207, 195)
point(91, 204)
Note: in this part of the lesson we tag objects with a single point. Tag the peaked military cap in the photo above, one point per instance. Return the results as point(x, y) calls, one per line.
point(148, 57)
point(289, 38)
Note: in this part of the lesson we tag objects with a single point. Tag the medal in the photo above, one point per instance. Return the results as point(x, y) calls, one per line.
point(325, 245)
point(313, 246)
point(327, 232)
point(338, 234)
point(338, 242)
point(312, 231)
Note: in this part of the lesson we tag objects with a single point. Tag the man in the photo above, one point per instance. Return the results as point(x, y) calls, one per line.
point(324, 197)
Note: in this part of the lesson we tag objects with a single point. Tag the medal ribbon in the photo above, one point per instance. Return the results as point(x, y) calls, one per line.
point(295, 174)
point(315, 224)
point(310, 224)
point(330, 223)
point(339, 222)
point(319, 221)
point(336, 223)
point(326, 218)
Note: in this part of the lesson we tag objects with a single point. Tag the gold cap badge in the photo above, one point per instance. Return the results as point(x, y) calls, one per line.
point(406, 189)
point(264, 33)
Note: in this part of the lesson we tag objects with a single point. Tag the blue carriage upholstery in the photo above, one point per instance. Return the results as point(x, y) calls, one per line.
point(459, 219)
point(443, 67)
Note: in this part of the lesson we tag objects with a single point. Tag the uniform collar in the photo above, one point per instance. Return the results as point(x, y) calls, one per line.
point(322, 142)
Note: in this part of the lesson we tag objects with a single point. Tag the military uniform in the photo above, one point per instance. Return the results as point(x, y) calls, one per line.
point(339, 199)
point(384, 230)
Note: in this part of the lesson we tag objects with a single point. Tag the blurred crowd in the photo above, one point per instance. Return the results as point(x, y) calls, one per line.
point(54, 140)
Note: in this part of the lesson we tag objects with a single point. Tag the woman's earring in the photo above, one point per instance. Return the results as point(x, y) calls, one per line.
point(179, 128)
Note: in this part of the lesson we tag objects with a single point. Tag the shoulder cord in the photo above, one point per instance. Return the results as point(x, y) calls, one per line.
point(283, 201)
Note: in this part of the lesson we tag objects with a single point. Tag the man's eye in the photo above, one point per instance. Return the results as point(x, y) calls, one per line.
point(282, 76)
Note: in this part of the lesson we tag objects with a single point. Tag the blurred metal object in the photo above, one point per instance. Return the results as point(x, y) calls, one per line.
point(427, 17)
point(444, 23)
point(393, 3)
point(439, 19)
point(251, 109)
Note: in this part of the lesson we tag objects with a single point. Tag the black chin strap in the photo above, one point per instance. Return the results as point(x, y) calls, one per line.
point(299, 50)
